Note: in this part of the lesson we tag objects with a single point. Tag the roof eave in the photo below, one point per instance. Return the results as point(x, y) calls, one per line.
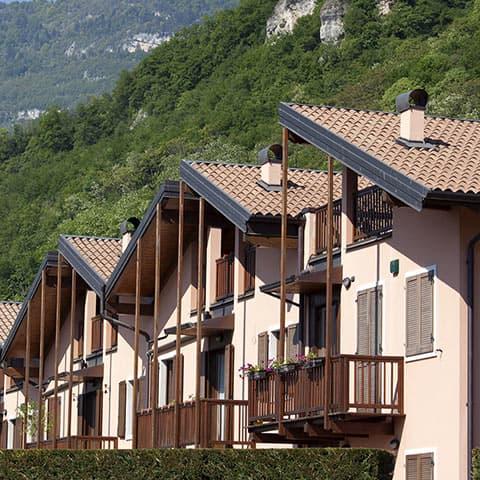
point(170, 189)
point(216, 197)
point(50, 260)
point(81, 266)
point(392, 181)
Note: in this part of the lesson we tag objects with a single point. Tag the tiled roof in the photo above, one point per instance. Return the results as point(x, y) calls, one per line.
point(454, 166)
point(308, 188)
point(8, 314)
point(101, 254)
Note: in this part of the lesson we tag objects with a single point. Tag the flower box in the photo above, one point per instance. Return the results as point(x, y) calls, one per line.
point(287, 368)
point(314, 362)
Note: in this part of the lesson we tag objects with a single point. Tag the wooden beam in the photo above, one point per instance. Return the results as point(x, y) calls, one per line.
point(329, 294)
point(73, 308)
point(58, 313)
point(200, 256)
point(138, 283)
point(40, 423)
point(181, 212)
point(156, 319)
point(26, 385)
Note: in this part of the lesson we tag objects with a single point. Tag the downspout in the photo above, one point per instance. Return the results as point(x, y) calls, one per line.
point(470, 304)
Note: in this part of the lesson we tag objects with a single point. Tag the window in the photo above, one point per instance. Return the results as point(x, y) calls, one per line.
point(122, 408)
point(166, 384)
point(10, 434)
point(419, 314)
point(268, 345)
point(292, 342)
point(419, 467)
point(262, 343)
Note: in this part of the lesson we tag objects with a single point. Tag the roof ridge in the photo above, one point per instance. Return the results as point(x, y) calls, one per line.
point(395, 114)
point(254, 165)
point(91, 237)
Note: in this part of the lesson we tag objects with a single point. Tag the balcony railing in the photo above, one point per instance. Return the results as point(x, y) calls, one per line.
point(373, 216)
point(321, 227)
point(223, 424)
point(225, 271)
point(358, 384)
point(79, 442)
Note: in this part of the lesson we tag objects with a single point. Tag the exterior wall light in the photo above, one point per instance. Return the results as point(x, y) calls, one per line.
point(347, 282)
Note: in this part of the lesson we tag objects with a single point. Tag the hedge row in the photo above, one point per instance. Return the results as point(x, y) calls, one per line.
point(476, 464)
point(286, 464)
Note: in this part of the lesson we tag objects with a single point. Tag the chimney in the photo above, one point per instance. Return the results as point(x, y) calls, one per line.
point(127, 229)
point(411, 107)
point(270, 159)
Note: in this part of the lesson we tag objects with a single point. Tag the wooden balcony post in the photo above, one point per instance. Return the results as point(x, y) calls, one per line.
point(178, 376)
point(283, 247)
point(156, 315)
point(27, 374)
point(40, 423)
point(138, 293)
point(58, 313)
point(200, 256)
point(73, 309)
point(329, 294)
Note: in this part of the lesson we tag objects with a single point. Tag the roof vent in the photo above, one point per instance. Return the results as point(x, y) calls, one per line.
point(270, 159)
point(411, 107)
point(127, 229)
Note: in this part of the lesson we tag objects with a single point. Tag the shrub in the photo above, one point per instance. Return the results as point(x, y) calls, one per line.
point(287, 464)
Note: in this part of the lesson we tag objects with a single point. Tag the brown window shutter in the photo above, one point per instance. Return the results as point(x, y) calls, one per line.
point(419, 467)
point(229, 371)
point(375, 312)
point(426, 313)
point(122, 408)
point(263, 349)
point(174, 377)
point(292, 342)
point(411, 467)
point(363, 323)
point(413, 316)
point(18, 434)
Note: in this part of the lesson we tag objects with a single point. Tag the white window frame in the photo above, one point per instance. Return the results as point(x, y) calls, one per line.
point(162, 378)
point(128, 409)
point(10, 433)
point(362, 288)
point(420, 451)
point(434, 353)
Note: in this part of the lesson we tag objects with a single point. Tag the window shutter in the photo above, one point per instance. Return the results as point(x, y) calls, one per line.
point(419, 467)
point(122, 405)
point(292, 342)
point(411, 467)
point(363, 323)
point(263, 349)
point(425, 466)
point(426, 313)
point(174, 378)
point(413, 316)
point(375, 326)
point(18, 434)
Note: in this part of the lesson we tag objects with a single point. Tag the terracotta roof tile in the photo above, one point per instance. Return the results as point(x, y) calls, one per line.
point(308, 187)
point(102, 254)
point(452, 167)
point(8, 314)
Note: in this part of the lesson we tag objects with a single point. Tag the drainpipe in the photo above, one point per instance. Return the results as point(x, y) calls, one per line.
point(470, 304)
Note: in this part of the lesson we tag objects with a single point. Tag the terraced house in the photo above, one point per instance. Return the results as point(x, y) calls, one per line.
point(262, 305)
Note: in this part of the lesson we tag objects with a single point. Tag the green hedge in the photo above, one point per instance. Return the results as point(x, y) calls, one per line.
point(476, 464)
point(286, 464)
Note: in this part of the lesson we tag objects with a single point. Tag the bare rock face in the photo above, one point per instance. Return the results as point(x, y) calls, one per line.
point(385, 6)
point(331, 17)
point(286, 15)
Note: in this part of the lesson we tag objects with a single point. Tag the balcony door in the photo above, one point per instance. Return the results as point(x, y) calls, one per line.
point(90, 410)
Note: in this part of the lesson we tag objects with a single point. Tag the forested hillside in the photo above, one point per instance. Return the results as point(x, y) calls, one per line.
point(213, 92)
point(61, 52)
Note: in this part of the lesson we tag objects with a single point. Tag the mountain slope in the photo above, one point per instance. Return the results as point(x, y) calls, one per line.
point(213, 93)
point(60, 52)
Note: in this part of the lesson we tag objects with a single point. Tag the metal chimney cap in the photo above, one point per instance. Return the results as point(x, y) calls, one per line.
point(417, 99)
point(129, 225)
point(271, 154)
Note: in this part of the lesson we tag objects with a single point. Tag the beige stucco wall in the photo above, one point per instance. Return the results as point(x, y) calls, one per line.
point(435, 387)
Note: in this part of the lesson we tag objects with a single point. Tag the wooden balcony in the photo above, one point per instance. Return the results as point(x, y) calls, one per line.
point(321, 227)
point(225, 277)
point(79, 443)
point(362, 388)
point(223, 425)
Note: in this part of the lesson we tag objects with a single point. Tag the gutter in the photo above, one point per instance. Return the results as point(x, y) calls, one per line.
point(119, 323)
point(470, 303)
